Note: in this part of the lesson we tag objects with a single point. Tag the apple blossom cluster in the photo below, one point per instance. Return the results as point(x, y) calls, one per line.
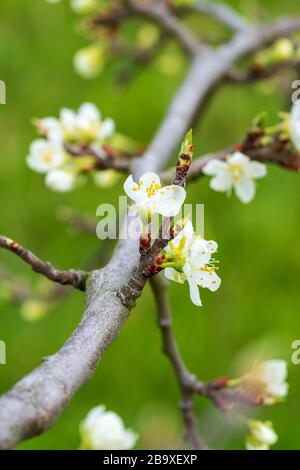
point(105, 430)
point(237, 172)
point(188, 257)
point(83, 129)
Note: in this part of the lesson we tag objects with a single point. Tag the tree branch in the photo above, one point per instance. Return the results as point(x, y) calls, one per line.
point(186, 381)
point(159, 12)
point(255, 74)
point(71, 277)
point(223, 13)
point(118, 163)
point(277, 153)
point(34, 403)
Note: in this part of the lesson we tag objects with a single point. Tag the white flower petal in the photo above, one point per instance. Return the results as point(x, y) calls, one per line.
point(104, 430)
point(209, 280)
point(168, 200)
point(148, 179)
point(89, 111)
point(108, 128)
point(274, 373)
point(214, 167)
point(194, 291)
point(256, 170)
point(61, 181)
point(212, 246)
point(68, 121)
point(187, 233)
point(222, 182)
point(44, 156)
point(173, 275)
point(131, 188)
point(245, 189)
point(199, 253)
point(238, 158)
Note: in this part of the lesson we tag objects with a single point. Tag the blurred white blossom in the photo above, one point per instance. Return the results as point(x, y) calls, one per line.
point(237, 172)
point(85, 125)
point(83, 6)
point(83, 128)
point(268, 379)
point(189, 258)
point(261, 435)
point(61, 180)
point(44, 156)
point(105, 430)
point(150, 197)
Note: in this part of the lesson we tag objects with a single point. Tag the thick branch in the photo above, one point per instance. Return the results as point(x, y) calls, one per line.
point(38, 399)
point(71, 277)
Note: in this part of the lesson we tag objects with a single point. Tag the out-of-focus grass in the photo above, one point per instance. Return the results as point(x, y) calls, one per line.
point(258, 303)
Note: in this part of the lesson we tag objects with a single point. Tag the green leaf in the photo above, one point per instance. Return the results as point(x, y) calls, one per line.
point(187, 144)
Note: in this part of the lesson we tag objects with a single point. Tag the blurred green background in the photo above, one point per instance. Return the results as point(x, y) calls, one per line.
point(257, 307)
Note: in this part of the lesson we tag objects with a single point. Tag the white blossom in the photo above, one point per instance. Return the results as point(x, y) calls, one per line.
point(261, 435)
point(237, 172)
point(150, 197)
point(85, 124)
point(104, 430)
point(89, 61)
point(83, 6)
point(50, 128)
point(189, 257)
point(61, 180)
point(269, 380)
point(44, 156)
point(295, 125)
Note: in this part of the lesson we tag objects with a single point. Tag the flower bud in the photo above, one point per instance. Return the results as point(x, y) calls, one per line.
point(89, 62)
point(104, 430)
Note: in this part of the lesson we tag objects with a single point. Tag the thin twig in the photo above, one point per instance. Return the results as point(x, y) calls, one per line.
point(260, 73)
point(118, 163)
point(71, 277)
point(159, 12)
point(276, 153)
point(185, 379)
